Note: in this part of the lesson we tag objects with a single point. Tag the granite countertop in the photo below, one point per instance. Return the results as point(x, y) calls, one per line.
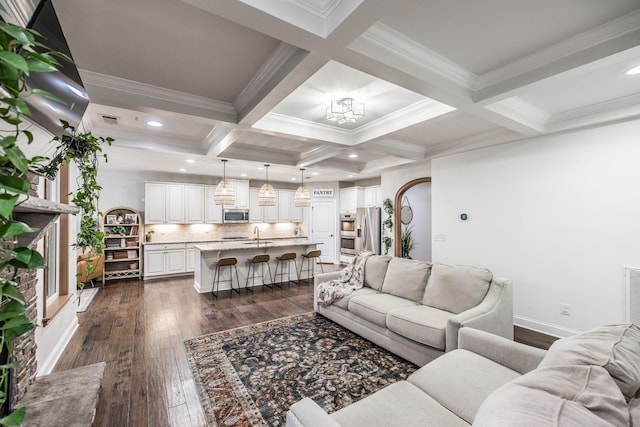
point(266, 243)
point(244, 239)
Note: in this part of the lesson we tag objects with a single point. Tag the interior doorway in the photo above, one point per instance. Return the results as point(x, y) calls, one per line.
point(323, 228)
point(412, 211)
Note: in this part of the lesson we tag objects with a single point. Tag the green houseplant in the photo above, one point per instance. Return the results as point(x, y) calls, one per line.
point(387, 206)
point(19, 58)
point(406, 242)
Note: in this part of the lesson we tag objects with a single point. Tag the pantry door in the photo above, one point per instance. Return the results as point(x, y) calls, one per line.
point(323, 228)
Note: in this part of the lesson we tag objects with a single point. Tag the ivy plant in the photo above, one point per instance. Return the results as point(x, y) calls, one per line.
point(21, 54)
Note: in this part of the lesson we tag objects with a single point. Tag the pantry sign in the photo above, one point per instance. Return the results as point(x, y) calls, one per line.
point(322, 192)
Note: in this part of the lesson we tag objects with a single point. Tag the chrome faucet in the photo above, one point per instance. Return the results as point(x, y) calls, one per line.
point(256, 231)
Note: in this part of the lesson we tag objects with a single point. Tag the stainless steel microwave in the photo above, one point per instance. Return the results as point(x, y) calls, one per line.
point(235, 216)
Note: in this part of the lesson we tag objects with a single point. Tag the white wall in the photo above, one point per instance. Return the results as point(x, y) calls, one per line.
point(559, 215)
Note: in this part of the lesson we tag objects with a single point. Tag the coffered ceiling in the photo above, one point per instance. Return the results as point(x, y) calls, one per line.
point(250, 80)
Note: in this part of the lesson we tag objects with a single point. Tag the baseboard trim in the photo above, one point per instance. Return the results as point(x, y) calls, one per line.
point(48, 365)
point(544, 327)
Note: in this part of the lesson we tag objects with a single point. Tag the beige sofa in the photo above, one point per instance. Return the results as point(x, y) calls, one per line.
point(592, 379)
point(415, 309)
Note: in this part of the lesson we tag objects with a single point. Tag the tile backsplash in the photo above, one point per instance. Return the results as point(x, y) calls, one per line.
point(167, 233)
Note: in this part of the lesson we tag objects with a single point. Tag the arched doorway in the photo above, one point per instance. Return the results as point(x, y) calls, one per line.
point(397, 213)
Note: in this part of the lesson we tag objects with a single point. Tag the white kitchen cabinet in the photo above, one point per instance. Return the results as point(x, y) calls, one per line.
point(284, 204)
point(164, 259)
point(241, 188)
point(164, 203)
point(194, 204)
point(191, 254)
point(287, 211)
point(259, 213)
point(351, 198)
point(154, 202)
point(174, 204)
point(372, 197)
point(212, 212)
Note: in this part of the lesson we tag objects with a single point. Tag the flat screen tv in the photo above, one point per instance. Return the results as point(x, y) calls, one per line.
point(65, 84)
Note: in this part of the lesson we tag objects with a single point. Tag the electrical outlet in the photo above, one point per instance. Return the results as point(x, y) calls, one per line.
point(564, 309)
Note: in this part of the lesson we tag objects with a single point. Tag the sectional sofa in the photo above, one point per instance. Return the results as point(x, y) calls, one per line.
point(591, 379)
point(415, 309)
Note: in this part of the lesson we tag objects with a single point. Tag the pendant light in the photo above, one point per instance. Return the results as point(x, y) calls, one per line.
point(224, 195)
point(267, 195)
point(302, 198)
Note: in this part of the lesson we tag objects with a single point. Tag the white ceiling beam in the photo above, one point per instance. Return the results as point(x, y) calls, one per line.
point(395, 148)
point(316, 155)
point(221, 141)
point(378, 165)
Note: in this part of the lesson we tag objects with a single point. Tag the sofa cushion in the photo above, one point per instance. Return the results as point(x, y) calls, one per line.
point(461, 380)
point(406, 278)
point(374, 271)
point(563, 396)
point(426, 325)
point(613, 347)
point(343, 303)
point(456, 288)
point(634, 411)
point(375, 308)
point(399, 404)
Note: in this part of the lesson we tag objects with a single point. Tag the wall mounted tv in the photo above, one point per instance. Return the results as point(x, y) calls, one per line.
point(65, 84)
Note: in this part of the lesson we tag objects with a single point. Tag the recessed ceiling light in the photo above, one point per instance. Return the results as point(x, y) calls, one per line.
point(182, 170)
point(353, 156)
point(314, 173)
point(260, 168)
point(154, 123)
point(634, 71)
point(351, 175)
point(190, 161)
point(243, 174)
point(293, 179)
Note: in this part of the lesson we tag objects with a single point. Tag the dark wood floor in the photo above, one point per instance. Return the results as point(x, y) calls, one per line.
point(138, 329)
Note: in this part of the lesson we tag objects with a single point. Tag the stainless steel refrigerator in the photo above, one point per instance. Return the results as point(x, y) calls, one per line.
point(368, 230)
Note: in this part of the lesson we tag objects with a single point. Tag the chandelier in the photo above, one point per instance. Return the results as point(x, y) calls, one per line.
point(267, 195)
point(224, 194)
point(345, 110)
point(302, 198)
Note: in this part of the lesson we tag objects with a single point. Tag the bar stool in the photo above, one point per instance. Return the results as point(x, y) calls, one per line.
point(311, 255)
point(225, 262)
point(251, 273)
point(282, 261)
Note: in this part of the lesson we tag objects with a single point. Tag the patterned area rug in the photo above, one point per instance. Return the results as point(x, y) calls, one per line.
point(251, 375)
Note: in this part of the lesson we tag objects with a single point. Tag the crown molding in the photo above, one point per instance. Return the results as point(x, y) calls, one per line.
point(224, 110)
point(19, 12)
point(474, 142)
point(316, 155)
point(522, 112)
point(415, 113)
point(606, 32)
point(286, 125)
point(390, 46)
point(269, 70)
point(396, 148)
point(625, 108)
point(321, 11)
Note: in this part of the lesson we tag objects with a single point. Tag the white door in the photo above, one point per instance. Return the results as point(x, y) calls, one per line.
point(175, 203)
point(175, 261)
point(154, 203)
point(194, 204)
point(323, 228)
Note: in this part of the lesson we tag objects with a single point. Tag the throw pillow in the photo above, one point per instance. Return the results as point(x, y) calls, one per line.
point(558, 396)
point(374, 271)
point(614, 347)
point(406, 278)
point(456, 288)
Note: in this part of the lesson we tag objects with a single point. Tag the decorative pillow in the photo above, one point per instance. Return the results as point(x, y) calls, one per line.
point(375, 270)
point(616, 348)
point(456, 288)
point(558, 396)
point(406, 278)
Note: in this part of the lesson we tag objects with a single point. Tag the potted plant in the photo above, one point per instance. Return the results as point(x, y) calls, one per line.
point(406, 242)
point(387, 205)
point(147, 236)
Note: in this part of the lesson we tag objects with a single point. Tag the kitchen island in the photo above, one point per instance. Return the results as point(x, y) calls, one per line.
point(207, 254)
